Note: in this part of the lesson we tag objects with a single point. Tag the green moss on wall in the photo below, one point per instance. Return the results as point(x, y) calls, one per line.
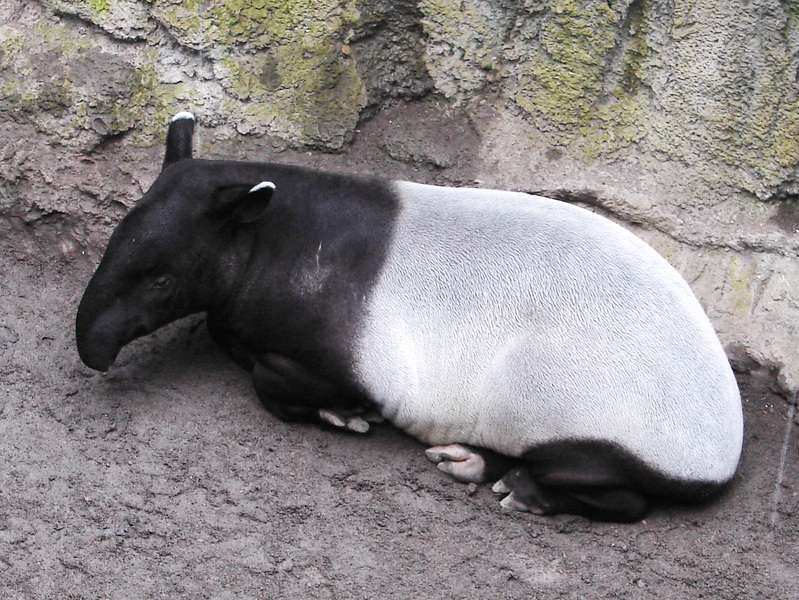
point(740, 277)
point(11, 43)
point(761, 130)
point(464, 45)
point(638, 55)
point(568, 84)
point(145, 104)
point(563, 79)
point(312, 86)
point(87, 8)
point(39, 82)
point(67, 86)
point(582, 69)
point(99, 6)
point(256, 23)
point(280, 62)
point(733, 107)
point(282, 56)
point(473, 31)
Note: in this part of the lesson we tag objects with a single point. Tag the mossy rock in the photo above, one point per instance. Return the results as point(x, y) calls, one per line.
point(71, 90)
point(583, 76)
point(125, 19)
point(282, 59)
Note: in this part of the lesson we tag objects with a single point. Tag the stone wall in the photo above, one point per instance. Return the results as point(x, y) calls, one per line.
point(678, 118)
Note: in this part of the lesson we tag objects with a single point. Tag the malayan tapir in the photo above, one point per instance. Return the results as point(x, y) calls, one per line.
point(523, 337)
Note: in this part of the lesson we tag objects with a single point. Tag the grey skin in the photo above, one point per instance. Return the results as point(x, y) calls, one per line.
point(524, 339)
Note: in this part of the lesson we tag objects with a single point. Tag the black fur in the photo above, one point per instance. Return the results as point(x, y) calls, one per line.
point(283, 278)
point(598, 480)
point(179, 141)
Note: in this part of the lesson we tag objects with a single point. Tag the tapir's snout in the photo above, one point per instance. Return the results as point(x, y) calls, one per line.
point(101, 333)
point(94, 359)
point(97, 346)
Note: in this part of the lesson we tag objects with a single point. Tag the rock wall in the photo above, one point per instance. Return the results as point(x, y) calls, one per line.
point(679, 118)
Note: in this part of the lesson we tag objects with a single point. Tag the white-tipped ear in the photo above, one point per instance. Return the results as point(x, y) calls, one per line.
point(183, 115)
point(178, 138)
point(263, 185)
point(242, 204)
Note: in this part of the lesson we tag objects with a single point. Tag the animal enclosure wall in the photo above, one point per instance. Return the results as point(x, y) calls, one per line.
point(680, 119)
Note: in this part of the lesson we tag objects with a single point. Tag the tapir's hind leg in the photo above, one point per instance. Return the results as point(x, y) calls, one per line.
point(577, 478)
point(582, 478)
point(603, 503)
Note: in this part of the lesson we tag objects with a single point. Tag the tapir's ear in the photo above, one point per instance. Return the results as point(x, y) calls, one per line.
point(178, 138)
point(242, 203)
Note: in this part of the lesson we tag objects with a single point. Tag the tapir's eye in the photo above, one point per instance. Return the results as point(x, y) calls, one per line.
point(161, 283)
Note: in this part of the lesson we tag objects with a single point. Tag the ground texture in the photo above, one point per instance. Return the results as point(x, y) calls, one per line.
point(166, 479)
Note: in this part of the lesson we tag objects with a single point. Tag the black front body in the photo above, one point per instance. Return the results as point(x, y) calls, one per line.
point(283, 275)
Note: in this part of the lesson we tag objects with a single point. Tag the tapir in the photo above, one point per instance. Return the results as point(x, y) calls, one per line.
point(529, 341)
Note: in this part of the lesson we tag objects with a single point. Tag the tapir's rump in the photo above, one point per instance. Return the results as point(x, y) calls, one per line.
point(507, 321)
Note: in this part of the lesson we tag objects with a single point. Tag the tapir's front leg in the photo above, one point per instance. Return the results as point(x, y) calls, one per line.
point(239, 354)
point(293, 393)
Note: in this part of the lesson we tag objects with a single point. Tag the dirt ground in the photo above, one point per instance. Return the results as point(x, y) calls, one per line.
point(166, 479)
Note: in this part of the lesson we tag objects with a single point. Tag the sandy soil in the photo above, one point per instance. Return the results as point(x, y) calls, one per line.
point(166, 479)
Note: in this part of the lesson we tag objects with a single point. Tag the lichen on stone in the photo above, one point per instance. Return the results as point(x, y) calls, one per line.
point(563, 77)
point(733, 104)
point(73, 91)
point(283, 55)
point(464, 44)
point(38, 83)
point(145, 104)
point(583, 75)
point(123, 19)
point(99, 6)
point(740, 277)
point(84, 8)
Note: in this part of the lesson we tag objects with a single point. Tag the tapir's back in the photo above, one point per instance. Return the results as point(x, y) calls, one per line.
point(507, 321)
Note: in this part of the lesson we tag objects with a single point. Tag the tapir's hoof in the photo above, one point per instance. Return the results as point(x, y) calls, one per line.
point(463, 463)
point(355, 424)
point(521, 493)
point(372, 416)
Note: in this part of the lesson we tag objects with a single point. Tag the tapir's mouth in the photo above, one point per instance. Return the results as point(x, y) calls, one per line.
point(99, 361)
point(104, 367)
point(99, 350)
point(104, 360)
point(140, 331)
point(100, 341)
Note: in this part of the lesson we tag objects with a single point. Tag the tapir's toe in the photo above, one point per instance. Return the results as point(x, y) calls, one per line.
point(355, 424)
point(522, 493)
point(513, 502)
point(463, 463)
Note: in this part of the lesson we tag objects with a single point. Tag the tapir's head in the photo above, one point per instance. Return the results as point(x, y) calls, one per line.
point(157, 266)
